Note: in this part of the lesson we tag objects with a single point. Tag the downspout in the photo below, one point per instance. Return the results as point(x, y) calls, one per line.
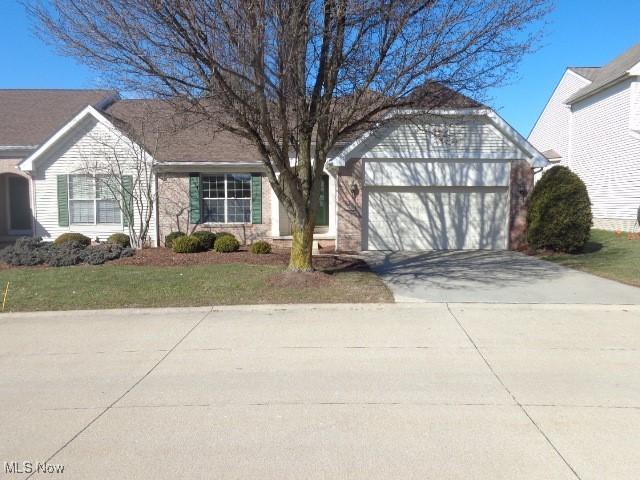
point(570, 141)
point(156, 207)
point(32, 189)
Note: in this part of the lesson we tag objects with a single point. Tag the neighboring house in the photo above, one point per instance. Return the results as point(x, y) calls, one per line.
point(456, 179)
point(591, 124)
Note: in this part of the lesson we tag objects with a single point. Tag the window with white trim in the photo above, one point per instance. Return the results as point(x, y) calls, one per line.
point(92, 202)
point(226, 198)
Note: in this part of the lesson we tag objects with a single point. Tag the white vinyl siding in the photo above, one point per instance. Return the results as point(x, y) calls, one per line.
point(469, 138)
point(551, 131)
point(68, 158)
point(596, 139)
point(605, 155)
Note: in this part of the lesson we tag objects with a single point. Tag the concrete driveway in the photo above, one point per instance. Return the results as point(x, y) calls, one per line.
point(347, 392)
point(492, 276)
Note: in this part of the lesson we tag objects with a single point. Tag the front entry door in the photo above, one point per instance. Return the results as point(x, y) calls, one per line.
point(19, 209)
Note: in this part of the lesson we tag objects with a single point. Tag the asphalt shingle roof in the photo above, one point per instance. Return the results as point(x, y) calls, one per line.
point(612, 71)
point(29, 117)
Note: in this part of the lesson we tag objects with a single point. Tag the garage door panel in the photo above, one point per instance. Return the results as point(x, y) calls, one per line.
point(437, 220)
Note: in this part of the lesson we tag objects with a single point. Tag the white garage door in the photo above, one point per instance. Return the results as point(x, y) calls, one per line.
point(427, 218)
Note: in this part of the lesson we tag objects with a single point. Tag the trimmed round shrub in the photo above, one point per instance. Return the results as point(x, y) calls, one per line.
point(169, 239)
point(224, 234)
point(206, 238)
point(120, 239)
point(187, 244)
point(73, 237)
point(559, 216)
point(226, 243)
point(260, 247)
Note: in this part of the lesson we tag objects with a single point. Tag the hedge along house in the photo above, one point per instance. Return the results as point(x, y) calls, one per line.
point(453, 178)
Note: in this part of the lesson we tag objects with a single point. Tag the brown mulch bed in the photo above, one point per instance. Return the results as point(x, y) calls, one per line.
point(164, 257)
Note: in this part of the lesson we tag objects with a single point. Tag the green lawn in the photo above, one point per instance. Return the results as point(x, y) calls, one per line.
point(607, 255)
point(116, 286)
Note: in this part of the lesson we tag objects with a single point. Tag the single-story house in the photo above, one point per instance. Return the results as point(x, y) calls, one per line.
point(453, 178)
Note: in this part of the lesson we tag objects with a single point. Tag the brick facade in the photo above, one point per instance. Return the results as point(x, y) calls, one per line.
point(173, 211)
point(349, 206)
point(520, 185)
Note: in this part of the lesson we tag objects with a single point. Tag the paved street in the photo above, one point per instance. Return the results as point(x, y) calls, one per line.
point(419, 391)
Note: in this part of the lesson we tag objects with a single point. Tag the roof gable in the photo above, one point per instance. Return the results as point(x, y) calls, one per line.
point(612, 72)
point(507, 137)
point(29, 163)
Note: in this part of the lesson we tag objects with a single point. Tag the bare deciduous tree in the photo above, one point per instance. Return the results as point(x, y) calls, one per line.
point(296, 76)
point(124, 172)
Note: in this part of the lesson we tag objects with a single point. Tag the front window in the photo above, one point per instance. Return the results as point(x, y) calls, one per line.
point(226, 198)
point(92, 201)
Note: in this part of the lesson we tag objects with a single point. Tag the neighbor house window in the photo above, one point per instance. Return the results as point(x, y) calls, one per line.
point(226, 198)
point(91, 201)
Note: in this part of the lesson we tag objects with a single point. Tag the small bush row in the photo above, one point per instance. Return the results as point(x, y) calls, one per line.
point(119, 238)
point(33, 251)
point(199, 241)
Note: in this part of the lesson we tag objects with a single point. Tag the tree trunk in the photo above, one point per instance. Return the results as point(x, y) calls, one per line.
point(302, 246)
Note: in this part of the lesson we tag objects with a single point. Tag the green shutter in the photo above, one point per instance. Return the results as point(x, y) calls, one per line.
point(63, 200)
point(322, 214)
point(256, 198)
point(127, 198)
point(194, 198)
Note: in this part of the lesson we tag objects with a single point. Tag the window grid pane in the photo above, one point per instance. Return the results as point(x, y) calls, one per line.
point(213, 186)
point(213, 210)
point(82, 211)
point(105, 187)
point(81, 187)
point(108, 211)
point(226, 198)
point(238, 210)
point(238, 186)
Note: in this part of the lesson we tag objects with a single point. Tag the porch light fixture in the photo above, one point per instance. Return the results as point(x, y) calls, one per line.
point(522, 188)
point(354, 189)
